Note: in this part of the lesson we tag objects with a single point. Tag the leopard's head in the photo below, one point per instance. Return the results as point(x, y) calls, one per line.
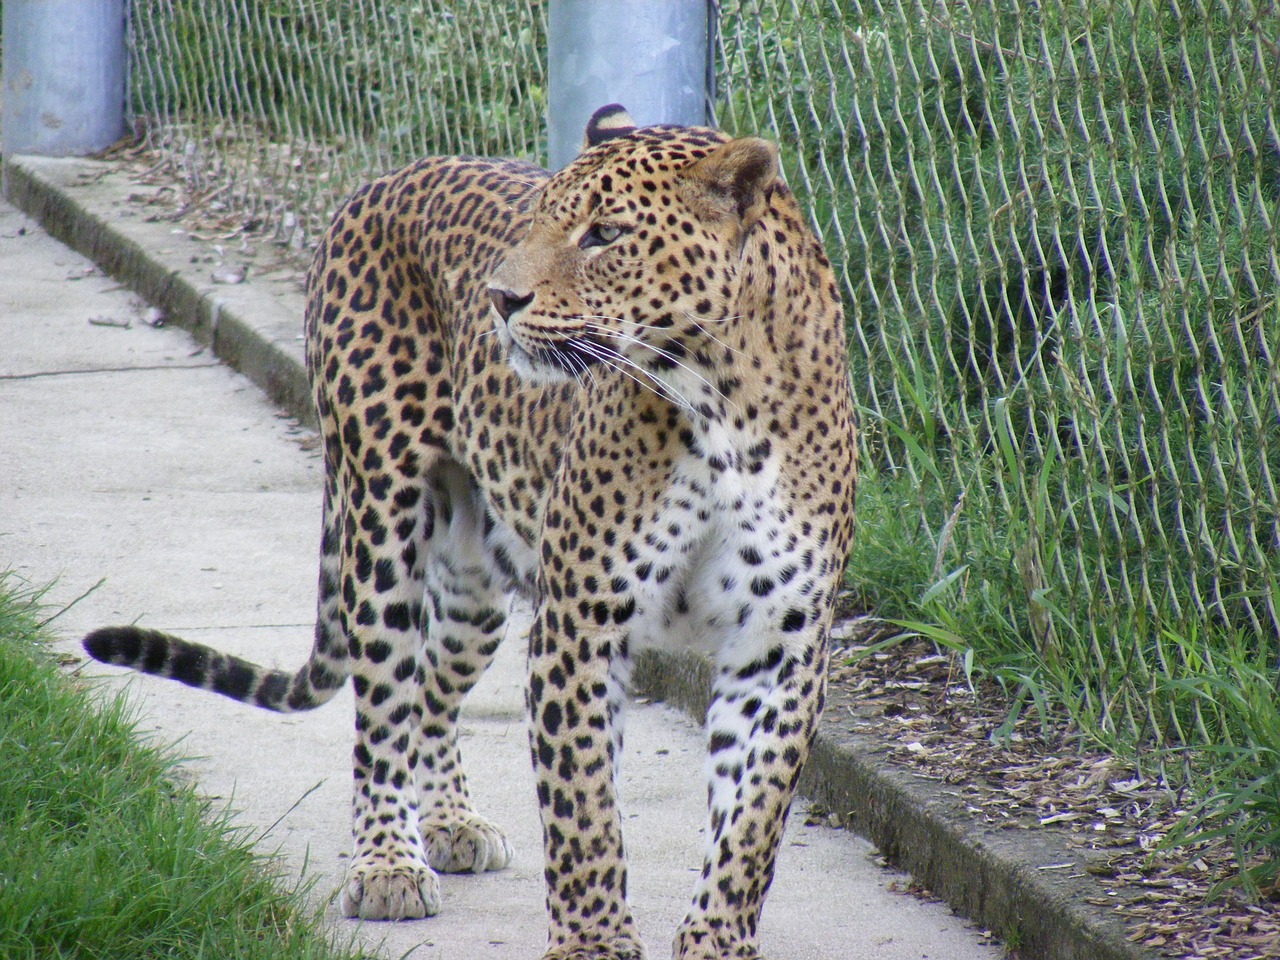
point(632, 258)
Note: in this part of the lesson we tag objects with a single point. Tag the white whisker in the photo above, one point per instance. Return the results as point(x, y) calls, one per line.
point(578, 367)
point(618, 362)
point(698, 323)
point(628, 338)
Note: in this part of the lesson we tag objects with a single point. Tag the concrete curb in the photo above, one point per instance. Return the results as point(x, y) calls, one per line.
point(994, 877)
point(76, 202)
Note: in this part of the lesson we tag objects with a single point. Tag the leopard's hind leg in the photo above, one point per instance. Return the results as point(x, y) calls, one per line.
point(418, 613)
point(375, 350)
point(465, 617)
point(424, 616)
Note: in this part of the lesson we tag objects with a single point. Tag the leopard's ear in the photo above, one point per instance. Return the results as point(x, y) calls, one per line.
point(735, 176)
point(605, 124)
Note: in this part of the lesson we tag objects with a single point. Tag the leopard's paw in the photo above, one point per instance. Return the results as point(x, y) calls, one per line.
point(399, 893)
point(619, 948)
point(701, 941)
point(709, 952)
point(469, 845)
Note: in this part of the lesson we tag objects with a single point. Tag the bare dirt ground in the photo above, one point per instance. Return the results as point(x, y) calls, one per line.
point(1021, 775)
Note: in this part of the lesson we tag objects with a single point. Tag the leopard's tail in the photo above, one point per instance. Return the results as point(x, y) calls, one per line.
point(197, 665)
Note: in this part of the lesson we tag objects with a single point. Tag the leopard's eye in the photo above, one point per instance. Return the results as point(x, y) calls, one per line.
point(600, 235)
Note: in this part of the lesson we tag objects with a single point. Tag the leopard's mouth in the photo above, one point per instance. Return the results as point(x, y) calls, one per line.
point(546, 360)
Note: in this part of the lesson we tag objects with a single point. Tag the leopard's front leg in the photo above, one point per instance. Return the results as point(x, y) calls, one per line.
point(575, 734)
point(760, 725)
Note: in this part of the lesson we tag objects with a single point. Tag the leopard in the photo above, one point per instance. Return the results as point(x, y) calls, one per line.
point(622, 392)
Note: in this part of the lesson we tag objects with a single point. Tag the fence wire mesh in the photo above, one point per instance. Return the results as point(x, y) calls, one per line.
point(285, 107)
point(1056, 227)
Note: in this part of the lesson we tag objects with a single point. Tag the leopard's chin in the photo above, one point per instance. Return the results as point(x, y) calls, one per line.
point(535, 369)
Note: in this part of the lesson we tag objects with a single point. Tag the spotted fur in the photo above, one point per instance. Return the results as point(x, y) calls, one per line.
point(622, 392)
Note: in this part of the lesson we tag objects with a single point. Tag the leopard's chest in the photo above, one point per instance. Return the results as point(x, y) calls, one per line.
point(722, 559)
point(707, 547)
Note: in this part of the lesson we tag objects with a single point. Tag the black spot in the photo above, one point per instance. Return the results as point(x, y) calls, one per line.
point(622, 613)
point(396, 616)
point(722, 741)
point(377, 651)
point(384, 575)
point(793, 621)
point(552, 717)
point(234, 681)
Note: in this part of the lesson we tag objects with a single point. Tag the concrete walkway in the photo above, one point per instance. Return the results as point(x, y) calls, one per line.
point(128, 454)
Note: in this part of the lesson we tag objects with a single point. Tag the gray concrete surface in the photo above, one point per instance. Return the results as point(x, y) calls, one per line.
point(129, 453)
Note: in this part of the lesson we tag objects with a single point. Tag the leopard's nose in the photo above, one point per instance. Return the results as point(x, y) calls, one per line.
point(507, 303)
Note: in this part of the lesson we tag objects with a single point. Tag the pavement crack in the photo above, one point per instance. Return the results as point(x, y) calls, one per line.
point(40, 374)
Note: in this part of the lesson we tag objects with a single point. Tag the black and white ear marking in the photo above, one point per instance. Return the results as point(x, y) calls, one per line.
point(605, 124)
point(739, 172)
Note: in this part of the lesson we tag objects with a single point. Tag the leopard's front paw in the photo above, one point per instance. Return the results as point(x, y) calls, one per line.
point(619, 948)
point(710, 952)
point(700, 941)
point(396, 893)
point(469, 845)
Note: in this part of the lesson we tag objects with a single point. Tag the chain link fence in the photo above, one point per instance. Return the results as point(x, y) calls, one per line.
point(1056, 227)
point(1056, 224)
point(283, 108)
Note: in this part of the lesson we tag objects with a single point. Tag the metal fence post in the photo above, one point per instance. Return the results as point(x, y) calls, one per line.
point(648, 55)
point(64, 75)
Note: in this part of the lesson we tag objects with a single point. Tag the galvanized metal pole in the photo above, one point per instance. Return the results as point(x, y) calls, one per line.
point(64, 75)
point(648, 55)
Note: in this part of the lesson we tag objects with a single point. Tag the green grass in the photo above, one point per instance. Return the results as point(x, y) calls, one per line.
point(102, 852)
